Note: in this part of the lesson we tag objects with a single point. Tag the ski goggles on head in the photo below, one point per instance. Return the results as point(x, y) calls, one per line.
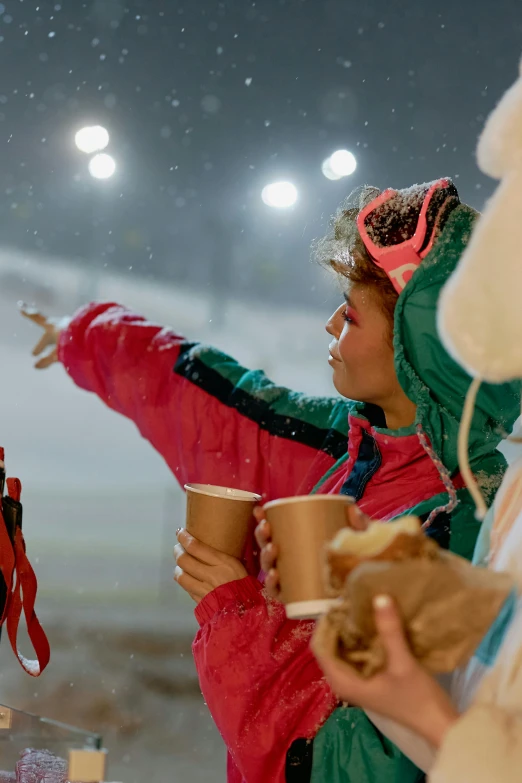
point(400, 227)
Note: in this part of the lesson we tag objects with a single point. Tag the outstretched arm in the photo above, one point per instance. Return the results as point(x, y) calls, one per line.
point(210, 418)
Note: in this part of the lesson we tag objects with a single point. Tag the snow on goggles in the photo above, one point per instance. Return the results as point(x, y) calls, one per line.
point(383, 226)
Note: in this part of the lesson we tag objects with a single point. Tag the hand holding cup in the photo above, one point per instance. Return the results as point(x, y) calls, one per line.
point(355, 519)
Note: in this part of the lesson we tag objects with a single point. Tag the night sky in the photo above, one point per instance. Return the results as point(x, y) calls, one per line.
point(207, 102)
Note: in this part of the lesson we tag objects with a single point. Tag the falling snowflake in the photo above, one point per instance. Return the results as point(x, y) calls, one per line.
point(248, 81)
point(210, 104)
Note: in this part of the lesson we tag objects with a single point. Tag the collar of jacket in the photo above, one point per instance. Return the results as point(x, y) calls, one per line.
point(388, 472)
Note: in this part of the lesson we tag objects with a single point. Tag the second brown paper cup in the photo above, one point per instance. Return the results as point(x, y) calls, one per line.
point(220, 517)
point(301, 528)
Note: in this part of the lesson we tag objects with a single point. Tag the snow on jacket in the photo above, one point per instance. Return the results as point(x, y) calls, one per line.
point(216, 422)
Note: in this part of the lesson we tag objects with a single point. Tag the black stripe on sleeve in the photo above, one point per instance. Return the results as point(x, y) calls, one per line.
point(191, 368)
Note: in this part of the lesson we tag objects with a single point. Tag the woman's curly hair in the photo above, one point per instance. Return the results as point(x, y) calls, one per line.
point(342, 250)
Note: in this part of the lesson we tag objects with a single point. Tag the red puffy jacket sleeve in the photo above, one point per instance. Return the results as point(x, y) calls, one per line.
point(212, 420)
point(259, 678)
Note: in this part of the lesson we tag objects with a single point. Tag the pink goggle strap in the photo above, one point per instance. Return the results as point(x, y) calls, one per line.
point(400, 261)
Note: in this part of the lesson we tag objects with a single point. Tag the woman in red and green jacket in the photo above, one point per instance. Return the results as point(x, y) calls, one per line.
point(390, 441)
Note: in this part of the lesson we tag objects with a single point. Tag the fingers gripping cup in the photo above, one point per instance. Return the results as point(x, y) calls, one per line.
point(301, 528)
point(220, 517)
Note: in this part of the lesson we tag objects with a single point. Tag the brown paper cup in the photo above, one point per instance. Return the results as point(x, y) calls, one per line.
point(220, 517)
point(301, 527)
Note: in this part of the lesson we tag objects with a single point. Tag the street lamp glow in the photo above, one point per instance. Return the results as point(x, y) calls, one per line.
point(327, 170)
point(102, 166)
point(343, 163)
point(280, 195)
point(92, 139)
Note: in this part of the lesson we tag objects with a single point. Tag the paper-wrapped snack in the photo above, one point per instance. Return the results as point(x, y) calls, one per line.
point(446, 604)
point(394, 541)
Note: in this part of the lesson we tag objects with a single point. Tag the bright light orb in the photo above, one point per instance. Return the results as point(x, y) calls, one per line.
point(280, 195)
point(92, 139)
point(102, 166)
point(343, 163)
point(327, 170)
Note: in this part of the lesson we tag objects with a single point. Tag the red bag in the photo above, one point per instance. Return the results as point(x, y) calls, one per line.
point(18, 583)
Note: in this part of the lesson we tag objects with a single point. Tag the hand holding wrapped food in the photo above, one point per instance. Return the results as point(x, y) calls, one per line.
point(446, 604)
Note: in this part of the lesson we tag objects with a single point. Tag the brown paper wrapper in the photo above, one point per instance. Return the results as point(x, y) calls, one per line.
point(446, 604)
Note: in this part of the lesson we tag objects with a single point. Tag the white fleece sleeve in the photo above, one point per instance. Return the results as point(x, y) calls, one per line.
point(484, 746)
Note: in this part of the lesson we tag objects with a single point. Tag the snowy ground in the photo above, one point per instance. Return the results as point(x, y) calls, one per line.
point(125, 671)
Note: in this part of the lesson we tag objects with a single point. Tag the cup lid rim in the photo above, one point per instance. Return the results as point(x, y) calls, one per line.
point(206, 489)
point(346, 499)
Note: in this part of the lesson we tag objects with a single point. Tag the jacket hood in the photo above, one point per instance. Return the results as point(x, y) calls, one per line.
point(426, 371)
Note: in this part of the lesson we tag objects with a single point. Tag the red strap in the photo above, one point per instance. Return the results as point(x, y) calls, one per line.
point(24, 596)
point(7, 564)
point(14, 488)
